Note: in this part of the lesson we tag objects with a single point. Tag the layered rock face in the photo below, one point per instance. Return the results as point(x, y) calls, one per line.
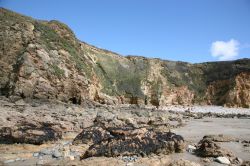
point(44, 60)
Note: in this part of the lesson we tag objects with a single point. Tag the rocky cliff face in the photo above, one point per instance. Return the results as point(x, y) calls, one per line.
point(44, 60)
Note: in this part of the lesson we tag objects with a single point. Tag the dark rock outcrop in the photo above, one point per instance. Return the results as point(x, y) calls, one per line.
point(128, 141)
point(157, 143)
point(208, 148)
point(30, 133)
point(92, 135)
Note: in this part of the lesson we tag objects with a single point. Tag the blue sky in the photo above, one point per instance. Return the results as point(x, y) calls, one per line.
point(184, 30)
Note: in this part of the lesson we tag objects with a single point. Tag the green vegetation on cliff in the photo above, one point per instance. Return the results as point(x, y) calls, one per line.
point(89, 69)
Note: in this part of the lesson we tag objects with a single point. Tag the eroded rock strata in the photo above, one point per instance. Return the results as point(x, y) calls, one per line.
point(44, 60)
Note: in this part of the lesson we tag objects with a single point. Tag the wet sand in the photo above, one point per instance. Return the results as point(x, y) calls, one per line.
point(192, 130)
point(239, 129)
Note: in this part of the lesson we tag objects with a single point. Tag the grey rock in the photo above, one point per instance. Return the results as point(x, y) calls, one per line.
point(239, 160)
point(223, 160)
point(191, 148)
point(40, 162)
point(9, 161)
point(19, 159)
point(129, 158)
point(46, 152)
point(57, 154)
point(66, 143)
point(35, 154)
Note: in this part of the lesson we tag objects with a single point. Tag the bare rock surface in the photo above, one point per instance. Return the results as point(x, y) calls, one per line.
point(208, 148)
point(38, 123)
point(126, 140)
point(53, 87)
point(140, 142)
point(33, 133)
point(45, 60)
point(128, 135)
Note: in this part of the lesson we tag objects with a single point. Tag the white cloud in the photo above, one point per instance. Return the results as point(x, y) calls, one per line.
point(225, 50)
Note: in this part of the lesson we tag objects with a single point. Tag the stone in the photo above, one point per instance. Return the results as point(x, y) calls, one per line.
point(43, 55)
point(66, 151)
point(92, 135)
point(246, 163)
point(220, 138)
point(9, 161)
point(19, 159)
point(238, 160)
point(35, 154)
point(131, 141)
point(46, 152)
point(129, 158)
point(72, 158)
point(57, 154)
point(206, 160)
point(207, 148)
point(129, 86)
point(30, 132)
point(223, 160)
point(191, 148)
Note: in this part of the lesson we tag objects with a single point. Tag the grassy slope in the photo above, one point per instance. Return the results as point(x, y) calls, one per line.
point(124, 75)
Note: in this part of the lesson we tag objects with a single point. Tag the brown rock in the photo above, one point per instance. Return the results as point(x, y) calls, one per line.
point(220, 138)
point(208, 148)
point(44, 60)
point(30, 133)
point(246, 163)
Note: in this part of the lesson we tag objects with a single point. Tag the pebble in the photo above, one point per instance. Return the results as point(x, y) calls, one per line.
point(19, 159)
point(191, 148)
point(129, 158)
point(71, 157)
point(223, 160)
point(9, 161)
point(35, 154)
point(57, 154)
point(65, 143)
point(206, 160)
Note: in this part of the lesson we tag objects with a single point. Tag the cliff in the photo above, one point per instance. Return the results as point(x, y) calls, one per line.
point(44, 60)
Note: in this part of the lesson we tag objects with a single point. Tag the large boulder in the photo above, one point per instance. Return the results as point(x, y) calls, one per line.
point(208, 148)
point(128, 141)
